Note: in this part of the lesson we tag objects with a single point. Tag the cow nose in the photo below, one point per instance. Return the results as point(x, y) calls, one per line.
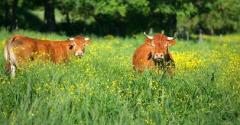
point(159, 56)
point(79, 53)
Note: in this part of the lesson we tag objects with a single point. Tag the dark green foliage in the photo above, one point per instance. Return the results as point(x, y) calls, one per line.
point(121, 17)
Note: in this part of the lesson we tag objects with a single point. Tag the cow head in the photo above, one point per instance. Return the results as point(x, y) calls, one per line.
point(160, 44)
point(77, 45)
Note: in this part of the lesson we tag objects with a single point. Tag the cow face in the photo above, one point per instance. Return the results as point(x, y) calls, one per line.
point(160, 44)
point(159, 52)
point(164, 40)
point(77, 45)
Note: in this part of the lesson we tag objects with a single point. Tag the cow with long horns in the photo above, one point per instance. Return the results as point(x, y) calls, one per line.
point(154, 53)
point(20, 49)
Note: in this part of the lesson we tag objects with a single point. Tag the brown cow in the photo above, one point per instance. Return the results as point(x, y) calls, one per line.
point(154, 53)
point(20, 49)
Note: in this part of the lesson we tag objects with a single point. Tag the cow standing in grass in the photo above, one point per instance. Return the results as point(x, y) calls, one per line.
point(154, 53)
point(20, 49)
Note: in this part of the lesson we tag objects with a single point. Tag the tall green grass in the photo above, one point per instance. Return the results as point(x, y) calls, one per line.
point(102, 88)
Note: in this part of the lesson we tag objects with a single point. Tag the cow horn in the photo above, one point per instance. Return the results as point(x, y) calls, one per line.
point(86, 38)
point(149, 37)
point(71, 39)
point(170, 38)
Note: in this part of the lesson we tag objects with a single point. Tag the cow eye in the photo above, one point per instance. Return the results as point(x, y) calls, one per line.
point(71, 46)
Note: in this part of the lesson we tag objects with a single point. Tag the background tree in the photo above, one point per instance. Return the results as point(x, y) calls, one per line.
point(66, 7)
point(9, 13)
point(218, 15)
point(49, 11)
point(49, 14)
point(121, 17)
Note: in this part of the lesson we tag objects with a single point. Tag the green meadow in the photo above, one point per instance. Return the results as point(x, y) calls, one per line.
point(102, 88)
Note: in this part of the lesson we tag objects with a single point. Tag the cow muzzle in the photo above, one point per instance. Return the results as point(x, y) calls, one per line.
point(158, 56)
point(79, 53)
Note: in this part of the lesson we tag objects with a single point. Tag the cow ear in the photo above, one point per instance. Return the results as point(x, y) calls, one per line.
point(71, 39)
point(150, 42)
point(147, 41)
point(171, 41)
point(87, 41)
point(86, 38)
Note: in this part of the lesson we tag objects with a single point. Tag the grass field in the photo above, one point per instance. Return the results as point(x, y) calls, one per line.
point(102, 88)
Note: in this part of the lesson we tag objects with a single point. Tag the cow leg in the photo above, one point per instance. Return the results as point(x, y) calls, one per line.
point(7, 67)
point(170, 72)
point(170, 65)
point(13, 69)
point(170, 68)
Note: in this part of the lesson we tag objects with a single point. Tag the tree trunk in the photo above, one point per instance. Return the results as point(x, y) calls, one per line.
point(6, 14)
point(14, 21)
point(188, 35)
point(200, 38)
point(172, 19)
point(212, 31)
point(49, 15)
point(67, 18)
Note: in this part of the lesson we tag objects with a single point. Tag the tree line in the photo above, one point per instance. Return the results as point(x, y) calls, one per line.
point(123, 17)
